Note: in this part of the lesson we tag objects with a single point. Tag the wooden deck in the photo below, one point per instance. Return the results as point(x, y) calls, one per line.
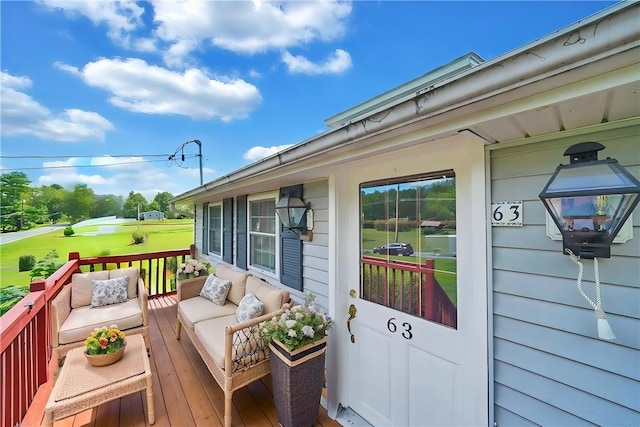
point(185, 393)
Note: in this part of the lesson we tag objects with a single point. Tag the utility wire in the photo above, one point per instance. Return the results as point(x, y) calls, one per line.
point(89, 166)
point(74, 156)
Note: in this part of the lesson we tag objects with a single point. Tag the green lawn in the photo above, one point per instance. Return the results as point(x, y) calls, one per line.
point(162, 235)
point(446, 267)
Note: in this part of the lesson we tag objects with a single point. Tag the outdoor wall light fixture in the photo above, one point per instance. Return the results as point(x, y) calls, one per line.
point(296, 215)
point(590, 200)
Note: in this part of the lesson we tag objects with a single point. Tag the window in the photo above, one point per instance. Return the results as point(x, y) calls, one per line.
point(215, 229)
point(263, 234)
point(408, 245)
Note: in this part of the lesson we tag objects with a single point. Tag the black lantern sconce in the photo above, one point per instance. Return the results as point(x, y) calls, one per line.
point(296, 215)
point(590, 200)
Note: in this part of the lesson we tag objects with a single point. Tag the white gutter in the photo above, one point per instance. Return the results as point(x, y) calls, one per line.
point(550, 55)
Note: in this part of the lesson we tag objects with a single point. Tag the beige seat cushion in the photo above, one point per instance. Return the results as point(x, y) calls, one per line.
point(132, 274)
point(82, 287)
point(273, 298)
point(83, 320)
point(238, 282)
point(197, 309)
point(247, 347)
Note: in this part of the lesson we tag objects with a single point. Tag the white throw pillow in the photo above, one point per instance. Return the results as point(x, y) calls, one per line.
point(110, 291)
point(250, 307)
point(216, 289)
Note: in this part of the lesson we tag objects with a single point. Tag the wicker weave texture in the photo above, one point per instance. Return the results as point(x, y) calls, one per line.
point(100, 384)
point(297, 389)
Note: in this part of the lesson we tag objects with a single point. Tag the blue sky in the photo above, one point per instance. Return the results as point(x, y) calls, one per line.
point(102, 92)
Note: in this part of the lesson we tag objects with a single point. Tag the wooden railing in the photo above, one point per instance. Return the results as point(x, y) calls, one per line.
point(153, 267)
point(409, 287)
point(25, 342)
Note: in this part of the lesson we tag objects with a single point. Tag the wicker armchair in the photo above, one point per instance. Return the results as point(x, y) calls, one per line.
point(73, 318)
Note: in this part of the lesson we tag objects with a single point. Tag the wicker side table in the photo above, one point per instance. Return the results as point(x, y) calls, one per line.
point(81, 386)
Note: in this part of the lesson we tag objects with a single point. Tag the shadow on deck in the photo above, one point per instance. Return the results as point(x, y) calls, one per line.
point(185, 394)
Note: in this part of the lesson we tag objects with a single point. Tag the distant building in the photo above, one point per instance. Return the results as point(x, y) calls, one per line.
point(151, 215)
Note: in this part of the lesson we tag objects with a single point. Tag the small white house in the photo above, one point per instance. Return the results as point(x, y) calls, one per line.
point(151, 215)
point(511, 340)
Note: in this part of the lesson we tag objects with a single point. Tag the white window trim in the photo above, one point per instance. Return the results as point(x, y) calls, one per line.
point(255, 197)
point(209, 252)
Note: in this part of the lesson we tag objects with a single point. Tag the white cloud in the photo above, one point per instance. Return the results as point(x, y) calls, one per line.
point(246, 27)
point(338, 63)
point(257, 153)
point(121, 17)
point(181, 27)
point(137, 86)
point(22, 115)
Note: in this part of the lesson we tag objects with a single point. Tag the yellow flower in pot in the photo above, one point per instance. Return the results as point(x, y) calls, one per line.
point(105, 345)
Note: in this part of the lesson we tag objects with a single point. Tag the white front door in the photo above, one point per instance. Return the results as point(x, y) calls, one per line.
point(415, 354)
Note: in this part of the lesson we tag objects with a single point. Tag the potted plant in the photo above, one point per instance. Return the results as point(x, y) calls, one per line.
point(297, 343)
point(192, 270)
point(105, 346)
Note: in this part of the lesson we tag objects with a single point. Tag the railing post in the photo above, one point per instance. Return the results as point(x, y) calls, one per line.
point(74, 255)
point(428, 293)
point(37, 285)
point(192, 249)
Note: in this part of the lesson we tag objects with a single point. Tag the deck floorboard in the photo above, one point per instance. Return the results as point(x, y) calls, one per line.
point(184, 392)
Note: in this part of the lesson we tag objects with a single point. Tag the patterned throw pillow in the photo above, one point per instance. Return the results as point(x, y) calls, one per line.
point(216, 289)
point(250, 307)
point(110, 291)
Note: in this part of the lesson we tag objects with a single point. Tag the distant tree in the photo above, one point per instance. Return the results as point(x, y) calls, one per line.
point(14, 188)
point(107, 205)
point(131, 205)
point(183, 210)
point(162, 201)
point(79, 202)
point(51, 198)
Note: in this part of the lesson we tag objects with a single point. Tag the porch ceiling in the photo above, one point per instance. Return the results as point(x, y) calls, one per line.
point(610, 105)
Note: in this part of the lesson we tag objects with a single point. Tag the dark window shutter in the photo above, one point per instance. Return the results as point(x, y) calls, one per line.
point(205, 228)
point(241, 231)
point(227, 230)
point(291, 248)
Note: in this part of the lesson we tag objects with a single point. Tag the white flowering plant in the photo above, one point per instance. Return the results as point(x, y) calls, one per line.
point(192, 268)
point(298, 326)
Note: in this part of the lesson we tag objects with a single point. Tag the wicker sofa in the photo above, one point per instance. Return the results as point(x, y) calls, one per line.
point(234, 355)
point(76, 311)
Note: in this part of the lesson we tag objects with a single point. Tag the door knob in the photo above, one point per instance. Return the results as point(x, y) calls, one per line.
point(352, 315)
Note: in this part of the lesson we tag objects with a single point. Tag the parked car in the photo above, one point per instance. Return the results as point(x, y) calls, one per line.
point(395, 249)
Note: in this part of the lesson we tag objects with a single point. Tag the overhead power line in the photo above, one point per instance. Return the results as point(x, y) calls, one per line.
point(86, 156)
point(88, 166)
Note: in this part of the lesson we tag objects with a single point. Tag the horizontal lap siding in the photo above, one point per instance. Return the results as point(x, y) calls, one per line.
point(550, 368)
point(315, 254)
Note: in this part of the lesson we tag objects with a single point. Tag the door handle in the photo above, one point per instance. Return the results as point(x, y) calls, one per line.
point(352, 315)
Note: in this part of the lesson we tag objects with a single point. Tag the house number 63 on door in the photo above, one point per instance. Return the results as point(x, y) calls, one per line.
point(393, 328)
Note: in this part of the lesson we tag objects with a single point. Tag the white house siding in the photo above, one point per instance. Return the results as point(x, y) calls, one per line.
point(550, 368)
point(315, 254)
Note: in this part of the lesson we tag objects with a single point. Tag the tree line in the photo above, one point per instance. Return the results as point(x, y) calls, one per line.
point(23, 206)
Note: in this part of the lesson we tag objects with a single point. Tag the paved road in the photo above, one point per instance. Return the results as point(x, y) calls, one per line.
point(19, 235)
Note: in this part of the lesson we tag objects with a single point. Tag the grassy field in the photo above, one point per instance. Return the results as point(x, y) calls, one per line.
point(446, 268)
point(93, 240)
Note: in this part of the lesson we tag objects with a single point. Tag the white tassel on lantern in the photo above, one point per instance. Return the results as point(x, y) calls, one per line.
point(604, 329)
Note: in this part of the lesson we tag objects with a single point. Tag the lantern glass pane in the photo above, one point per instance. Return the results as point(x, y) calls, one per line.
point(601, 213)
point(604, 176)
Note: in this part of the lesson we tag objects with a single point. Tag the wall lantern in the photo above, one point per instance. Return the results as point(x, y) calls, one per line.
point(296, 215)
point(590, 200)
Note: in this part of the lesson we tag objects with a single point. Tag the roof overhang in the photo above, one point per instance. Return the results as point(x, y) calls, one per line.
point(580, 76)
